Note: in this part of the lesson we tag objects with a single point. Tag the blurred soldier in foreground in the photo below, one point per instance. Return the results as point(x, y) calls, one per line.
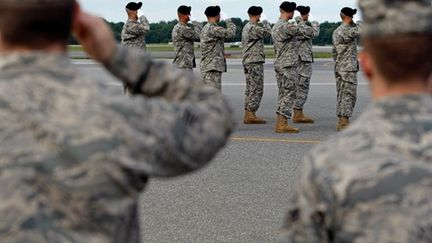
point(308, 31)
point(345, 54)
point(73, 161)
point(135, 29)
point(213, 37)
point(284, 34)
point(183, 38)
point(373, 183)
point(253, 63)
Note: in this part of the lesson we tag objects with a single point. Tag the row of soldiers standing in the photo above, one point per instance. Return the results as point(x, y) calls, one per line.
point(293, 63)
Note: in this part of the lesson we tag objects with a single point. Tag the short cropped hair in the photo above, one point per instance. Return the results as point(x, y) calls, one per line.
point(401, 57)
point(36, 25)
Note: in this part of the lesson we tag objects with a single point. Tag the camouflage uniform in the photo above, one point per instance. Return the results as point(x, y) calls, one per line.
point(308, 31)
point(373, 182)
point(183, 38)
point(73, 160)
point(345, 55)
point(284, 34)
point(134, 32)
point(213, 61)
point(253, 62)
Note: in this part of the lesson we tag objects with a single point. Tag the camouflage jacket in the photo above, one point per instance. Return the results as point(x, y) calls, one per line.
point(212, 46)
point(134, 32)
point(345, 48)
point(252, 41)
point(74, 158)
point(183, 38)
point(373, 183)
point(284, 34)
point(307, 31)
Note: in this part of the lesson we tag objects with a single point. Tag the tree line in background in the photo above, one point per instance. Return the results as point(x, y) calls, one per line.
point(161, 32)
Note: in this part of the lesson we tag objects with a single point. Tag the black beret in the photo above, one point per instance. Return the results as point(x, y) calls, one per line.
point(303, 10)
point(288, 6)
point(255, 10)
point(349, 11)
point(212, 11)
point(134, 6)
point(184, 10)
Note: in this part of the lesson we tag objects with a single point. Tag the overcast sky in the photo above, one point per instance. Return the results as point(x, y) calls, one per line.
point(157, 10)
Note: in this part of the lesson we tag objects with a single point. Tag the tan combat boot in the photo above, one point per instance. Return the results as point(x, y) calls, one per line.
point(283, 127)
point(251, 118)
point(299, 117)
point(343, 123)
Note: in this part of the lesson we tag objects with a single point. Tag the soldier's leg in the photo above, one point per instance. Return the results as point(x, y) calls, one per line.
point(305, 73)
point(287, 79)
point(254, 91)
point(213, 79)
point(339, 83)
point(255, 81)
point(348, 93)
point(287, 91)
point(247, 71)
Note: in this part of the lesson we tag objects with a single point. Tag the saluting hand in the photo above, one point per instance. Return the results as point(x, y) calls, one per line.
point(95, 36)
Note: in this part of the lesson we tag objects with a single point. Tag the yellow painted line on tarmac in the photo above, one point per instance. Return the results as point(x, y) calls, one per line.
point(275, 140)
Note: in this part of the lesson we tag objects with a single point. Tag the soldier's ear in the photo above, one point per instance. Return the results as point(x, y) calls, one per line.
point(367, 64)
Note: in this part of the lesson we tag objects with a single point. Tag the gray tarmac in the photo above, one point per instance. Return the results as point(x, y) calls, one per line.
point(242, 196)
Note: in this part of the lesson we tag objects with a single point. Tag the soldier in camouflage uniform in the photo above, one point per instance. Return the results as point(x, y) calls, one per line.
point(213, 37)
point(284, 34)
point(373, 182)
point(73, 160)
point(135, 29)
point(183, 38)
point(345, 39)
point(253, 63)
point(308, 30)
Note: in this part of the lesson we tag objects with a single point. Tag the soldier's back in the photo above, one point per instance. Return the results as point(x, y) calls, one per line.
point(377, 175)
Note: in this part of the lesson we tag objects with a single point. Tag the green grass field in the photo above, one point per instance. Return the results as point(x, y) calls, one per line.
point(168, 48)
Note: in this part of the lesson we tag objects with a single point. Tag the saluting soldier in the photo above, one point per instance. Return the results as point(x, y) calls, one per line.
point(345, 39)
point(135, 29)
point(284, 34)
point(183, 38)
point(253, 63)
point(213, 62)
point(74, 161)
point(307, 31)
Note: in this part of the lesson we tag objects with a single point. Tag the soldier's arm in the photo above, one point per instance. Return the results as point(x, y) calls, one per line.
point(289, 30)
point(192, 34)
point(227, 33)
point(174, 123)
point(137, 28)
point(258, 32)
point(350, 34)
point(184, 124)
point(306, 31)
point(145, 24)
point(316, 28)
point(312, 213)
point(334, 52)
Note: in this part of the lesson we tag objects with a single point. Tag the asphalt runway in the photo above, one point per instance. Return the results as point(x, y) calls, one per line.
point(242, 196)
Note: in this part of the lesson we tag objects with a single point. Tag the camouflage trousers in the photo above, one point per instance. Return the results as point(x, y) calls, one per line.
point(346, 86)
point(254, 85)
point(287, 84)
point(213, 79)
point(305, 73)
